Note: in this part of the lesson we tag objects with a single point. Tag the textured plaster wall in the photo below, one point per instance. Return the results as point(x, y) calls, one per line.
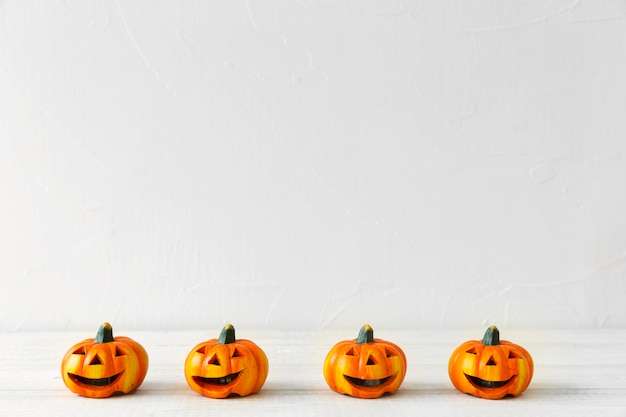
point(312, 164)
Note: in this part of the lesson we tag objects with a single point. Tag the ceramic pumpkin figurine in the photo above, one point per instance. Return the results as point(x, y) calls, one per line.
point(104, 365)
point(365, 367)
point(490, 368)
point(219, 368)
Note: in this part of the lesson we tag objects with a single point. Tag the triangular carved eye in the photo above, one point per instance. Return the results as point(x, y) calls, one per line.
point(472, 351)
point(214, 361)
point(119, 352)
point(96, 360)
point(202, 350)
point(351, 352)
point(236, 353)
point(79, 351)
point(491, 362)
point(389, 353)
point(513, 355)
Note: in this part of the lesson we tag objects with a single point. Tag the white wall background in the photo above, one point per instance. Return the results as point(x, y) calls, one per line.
point(312, 164)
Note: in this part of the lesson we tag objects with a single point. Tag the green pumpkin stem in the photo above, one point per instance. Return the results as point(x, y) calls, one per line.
point(492, 336)
point(227, 335)
point(105, 334)
point(366, 335)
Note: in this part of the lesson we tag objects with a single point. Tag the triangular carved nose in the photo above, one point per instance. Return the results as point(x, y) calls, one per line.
point(214, 361)
point(491, 362)
point(96, 360)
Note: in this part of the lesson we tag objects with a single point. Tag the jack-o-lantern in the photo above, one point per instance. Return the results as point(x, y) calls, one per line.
point(219, 368)
point(490, 368)
point(104, 365)
point(365, 367)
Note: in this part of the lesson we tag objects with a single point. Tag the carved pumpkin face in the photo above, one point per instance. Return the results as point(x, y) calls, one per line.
point(104, 366)
point(490, 368)
point(365, 367)
point(219, 368)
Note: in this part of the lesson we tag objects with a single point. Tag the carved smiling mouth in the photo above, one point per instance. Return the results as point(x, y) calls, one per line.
point(368, 382)
point(94, 382)
point(488, 384)
point(223, 380)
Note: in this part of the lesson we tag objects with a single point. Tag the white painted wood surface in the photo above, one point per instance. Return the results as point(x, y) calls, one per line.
point(577, 373)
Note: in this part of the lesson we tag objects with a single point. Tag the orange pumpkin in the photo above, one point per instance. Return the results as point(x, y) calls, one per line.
point(104, 365)
point(365, 367)
point(490, 368)
point(219, 368)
